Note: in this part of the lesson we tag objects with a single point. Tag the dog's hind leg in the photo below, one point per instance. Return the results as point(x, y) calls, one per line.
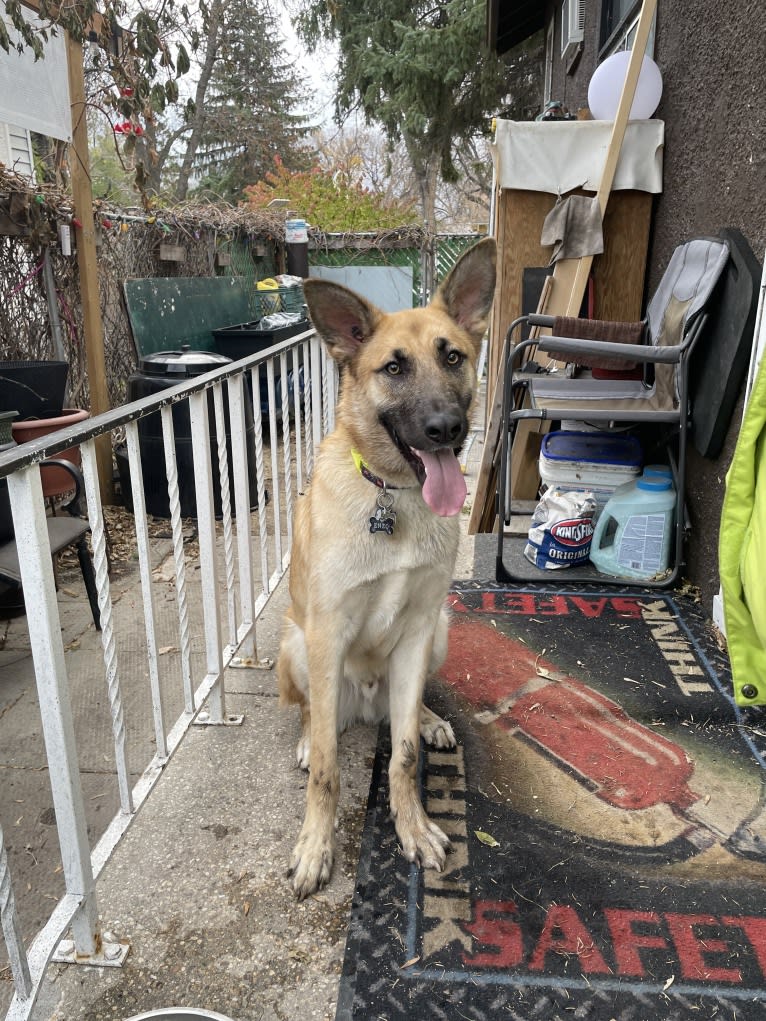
point(292, 678)
point(313, 854)
point(435, 731)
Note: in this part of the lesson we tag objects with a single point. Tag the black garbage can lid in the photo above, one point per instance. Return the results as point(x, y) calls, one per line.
point(183, 363)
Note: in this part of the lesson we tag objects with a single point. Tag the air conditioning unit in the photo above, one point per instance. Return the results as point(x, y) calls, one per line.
point(572, 24)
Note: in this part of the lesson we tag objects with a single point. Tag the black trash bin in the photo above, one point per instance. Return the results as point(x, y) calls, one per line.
point(250, 338)
point(157, 372)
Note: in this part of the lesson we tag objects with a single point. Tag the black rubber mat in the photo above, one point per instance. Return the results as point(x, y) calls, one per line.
point(606, 808)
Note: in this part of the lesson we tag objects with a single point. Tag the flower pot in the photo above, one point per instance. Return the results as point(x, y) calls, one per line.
point(56, 481)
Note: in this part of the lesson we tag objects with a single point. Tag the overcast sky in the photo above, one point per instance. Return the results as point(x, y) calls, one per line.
point(319, 68)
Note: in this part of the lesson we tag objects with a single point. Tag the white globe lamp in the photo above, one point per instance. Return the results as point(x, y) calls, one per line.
point(606, 87)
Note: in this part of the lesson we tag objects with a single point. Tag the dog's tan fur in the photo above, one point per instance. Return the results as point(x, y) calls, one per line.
point(367, 622)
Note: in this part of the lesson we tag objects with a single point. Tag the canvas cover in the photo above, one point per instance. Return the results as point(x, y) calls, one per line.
point(560, 156)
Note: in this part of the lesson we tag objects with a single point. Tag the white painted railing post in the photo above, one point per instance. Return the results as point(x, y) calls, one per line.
point(316, 392)
point(276, 494)
point(298, 376)
point(147, 589)
point(47, 646)
point(179, 561)
point(11, 929)
point(247, 653)
point(287, 479)
point(260, 469)
point(108, 642)
point(224, 476)
point(203, 482)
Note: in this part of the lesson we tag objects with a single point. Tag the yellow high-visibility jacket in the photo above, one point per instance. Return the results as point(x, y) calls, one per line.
point(742, 551)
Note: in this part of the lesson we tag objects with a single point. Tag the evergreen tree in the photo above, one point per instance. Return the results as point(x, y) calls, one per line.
point(248, 112)
point(418, 67)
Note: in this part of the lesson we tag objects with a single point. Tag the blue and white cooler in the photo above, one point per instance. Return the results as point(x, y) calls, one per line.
point(595, 462)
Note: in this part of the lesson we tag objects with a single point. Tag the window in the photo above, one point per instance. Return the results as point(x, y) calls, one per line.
point(572, 25)
point(619, 20)
point(549, 59)
point(16, 150)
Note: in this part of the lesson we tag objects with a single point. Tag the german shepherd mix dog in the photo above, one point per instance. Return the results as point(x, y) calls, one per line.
point(376, 536)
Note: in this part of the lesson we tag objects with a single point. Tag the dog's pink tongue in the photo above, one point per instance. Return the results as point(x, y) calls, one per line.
point(444, 489)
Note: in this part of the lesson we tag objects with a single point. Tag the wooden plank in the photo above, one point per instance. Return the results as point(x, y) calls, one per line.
point(526, 486)
point(525, 456)
point(619, 273)
point(570, 276)
point(520, 220)
point(485, 484)
point(87, 263)
point(482, 511)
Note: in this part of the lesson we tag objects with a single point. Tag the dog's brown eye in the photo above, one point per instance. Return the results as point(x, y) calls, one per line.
point(454, 358)
point(393, 368)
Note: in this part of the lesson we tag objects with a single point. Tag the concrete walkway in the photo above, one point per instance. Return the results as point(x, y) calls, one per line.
point(197, 886)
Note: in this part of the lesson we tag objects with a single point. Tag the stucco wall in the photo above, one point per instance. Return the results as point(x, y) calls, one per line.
point(713, 60)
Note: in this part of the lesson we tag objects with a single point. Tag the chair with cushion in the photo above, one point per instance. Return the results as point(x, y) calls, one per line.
point(621, 376)
point(64, 529)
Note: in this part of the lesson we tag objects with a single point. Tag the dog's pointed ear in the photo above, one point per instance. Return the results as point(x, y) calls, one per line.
point(343, 319)
point(469, 290)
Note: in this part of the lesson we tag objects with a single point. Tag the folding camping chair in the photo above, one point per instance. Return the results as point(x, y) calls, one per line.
point(654, 391)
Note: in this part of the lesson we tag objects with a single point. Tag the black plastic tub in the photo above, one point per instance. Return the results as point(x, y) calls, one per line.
point(237, 342)
point(34, 389)
point(246, 339)
point(157, 372)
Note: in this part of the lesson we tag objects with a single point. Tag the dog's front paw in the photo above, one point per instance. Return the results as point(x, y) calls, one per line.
point(435, 731)
point(311, 863)
point(424, 843)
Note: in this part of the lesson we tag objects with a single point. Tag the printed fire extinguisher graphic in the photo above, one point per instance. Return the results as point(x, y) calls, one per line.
point(587, 735)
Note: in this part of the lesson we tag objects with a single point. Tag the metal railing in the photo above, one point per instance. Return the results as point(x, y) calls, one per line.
point(291, 389)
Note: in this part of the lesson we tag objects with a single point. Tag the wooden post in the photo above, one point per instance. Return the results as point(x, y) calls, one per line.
point(87, 263)
point(570, 276)
point(565, 288)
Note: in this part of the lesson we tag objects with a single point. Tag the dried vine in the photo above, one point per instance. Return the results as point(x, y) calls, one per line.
point(248, 241)
point(129, 246)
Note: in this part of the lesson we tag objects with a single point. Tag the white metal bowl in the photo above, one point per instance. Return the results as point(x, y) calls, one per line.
point(179, 1014)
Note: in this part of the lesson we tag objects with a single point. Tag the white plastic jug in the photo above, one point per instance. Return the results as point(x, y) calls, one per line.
point(633, 534)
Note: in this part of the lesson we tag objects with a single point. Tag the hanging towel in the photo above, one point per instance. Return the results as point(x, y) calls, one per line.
point(597, 330)
point(573, 227)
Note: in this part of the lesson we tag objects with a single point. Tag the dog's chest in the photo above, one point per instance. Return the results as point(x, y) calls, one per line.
point(379, 613)
point(346, 551)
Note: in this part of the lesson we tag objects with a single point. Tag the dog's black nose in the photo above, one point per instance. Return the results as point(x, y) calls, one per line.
point(444, 428)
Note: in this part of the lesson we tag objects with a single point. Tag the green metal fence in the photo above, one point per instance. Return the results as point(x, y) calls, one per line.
point(430, 263)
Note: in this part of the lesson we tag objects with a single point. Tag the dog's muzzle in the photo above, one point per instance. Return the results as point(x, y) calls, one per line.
point(436, 467)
